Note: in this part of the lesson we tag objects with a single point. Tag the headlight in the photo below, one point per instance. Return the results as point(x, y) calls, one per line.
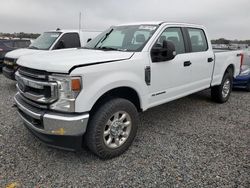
point(245, 70)
point(68, 90)
point(9, 62)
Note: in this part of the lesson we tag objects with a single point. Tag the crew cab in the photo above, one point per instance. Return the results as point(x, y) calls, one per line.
point(50, 40)
point(93, 95)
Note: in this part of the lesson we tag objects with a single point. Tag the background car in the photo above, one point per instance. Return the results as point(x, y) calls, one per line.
point(243, 79)
point(9, 45)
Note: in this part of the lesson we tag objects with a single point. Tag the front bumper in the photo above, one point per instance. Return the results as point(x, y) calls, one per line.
point(59, 130)
point(9, 73)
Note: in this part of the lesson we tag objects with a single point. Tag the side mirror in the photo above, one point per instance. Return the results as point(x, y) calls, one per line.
point(89, 39)
point(60, 45)
point(166, 52)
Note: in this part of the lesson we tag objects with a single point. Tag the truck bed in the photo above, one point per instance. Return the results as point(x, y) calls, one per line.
point(223, 58)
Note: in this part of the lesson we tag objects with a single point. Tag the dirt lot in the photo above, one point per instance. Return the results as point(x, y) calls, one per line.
point(191, 142)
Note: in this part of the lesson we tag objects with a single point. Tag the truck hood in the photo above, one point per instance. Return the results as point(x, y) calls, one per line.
point(62, 61)
point(15, 54)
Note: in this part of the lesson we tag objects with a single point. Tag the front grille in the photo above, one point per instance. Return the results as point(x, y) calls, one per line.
point(35, 88)
point(33, 73)
point(35, 104)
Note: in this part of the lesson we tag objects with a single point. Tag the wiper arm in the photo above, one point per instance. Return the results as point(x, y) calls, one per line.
point(110, 48)
point(33, 47)
point(107, 48)
point(104, 38)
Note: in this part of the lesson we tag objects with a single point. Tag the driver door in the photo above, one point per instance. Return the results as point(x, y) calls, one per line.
point(170, 79)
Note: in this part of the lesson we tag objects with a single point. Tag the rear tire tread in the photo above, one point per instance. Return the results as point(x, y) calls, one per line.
point(216, 91)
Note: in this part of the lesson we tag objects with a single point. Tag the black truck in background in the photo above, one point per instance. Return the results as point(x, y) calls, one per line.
point(9, 45)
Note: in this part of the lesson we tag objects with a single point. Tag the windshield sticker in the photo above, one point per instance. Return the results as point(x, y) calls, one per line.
point(148, 27)
point(54, 35)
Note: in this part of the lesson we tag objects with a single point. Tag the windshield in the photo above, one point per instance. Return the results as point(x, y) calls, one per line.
point(123, 38)
point(45, 41)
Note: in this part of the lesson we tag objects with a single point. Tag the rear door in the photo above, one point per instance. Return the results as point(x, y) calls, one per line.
point(201, 58)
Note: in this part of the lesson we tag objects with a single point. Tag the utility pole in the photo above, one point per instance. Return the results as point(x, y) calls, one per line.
point(80, 21)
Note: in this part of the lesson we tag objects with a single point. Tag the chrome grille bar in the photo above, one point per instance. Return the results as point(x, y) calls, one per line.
point(23, 83)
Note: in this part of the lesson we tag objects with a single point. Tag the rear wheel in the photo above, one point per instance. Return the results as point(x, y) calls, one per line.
point(222, 92)
point(112, 128)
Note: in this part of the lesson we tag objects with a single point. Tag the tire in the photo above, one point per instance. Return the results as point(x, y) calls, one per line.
point(221, 93)
point(108, 120)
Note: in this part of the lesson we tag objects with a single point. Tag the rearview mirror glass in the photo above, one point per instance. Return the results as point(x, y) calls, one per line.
point(164, 52)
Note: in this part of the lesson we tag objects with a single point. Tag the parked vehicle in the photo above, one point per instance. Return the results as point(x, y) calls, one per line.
point(243, 79)
point(95, 93)
point(51, 40)
point(9, 45)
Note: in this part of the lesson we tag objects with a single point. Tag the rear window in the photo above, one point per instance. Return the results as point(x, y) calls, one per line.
point(198, 40)
point(15, 43)
point(21, 44)
point(7, 43)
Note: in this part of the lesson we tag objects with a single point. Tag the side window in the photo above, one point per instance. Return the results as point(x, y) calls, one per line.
point(198, 40)
point(70, 40)
point(175, 36)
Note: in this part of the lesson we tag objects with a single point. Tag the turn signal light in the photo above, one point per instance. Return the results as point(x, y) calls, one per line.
point(76, 85)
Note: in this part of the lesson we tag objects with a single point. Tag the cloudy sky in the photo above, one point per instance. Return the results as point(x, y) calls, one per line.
point(223, 18)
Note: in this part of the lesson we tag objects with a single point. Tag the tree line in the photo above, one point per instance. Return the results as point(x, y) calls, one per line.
point(35, 35)
point(20, 35)
point(226, 41)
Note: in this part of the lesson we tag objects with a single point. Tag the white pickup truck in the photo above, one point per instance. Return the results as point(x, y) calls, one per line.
point(93, 95)
point(50, 40)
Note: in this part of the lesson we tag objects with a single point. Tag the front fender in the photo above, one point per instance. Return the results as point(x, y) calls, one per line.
point(96, 86)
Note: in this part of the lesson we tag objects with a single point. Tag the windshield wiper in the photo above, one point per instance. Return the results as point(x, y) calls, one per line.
point(104, 38)
point(33, 47)
point(107, 48)
point(110, 48)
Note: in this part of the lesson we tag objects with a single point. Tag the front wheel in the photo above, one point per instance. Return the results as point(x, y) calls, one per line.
point(222, 92)
point(112, 128)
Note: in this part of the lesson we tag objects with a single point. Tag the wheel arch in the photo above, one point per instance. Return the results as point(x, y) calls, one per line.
point(125, 92)
point(230, 69)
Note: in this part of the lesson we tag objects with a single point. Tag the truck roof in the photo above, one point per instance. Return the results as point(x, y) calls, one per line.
point(162, 22)
point(72, 30)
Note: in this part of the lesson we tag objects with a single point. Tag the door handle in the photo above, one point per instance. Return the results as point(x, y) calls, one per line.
point(187, 63)
point(210, 59)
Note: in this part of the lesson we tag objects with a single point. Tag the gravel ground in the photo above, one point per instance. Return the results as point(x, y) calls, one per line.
point(191, 142)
